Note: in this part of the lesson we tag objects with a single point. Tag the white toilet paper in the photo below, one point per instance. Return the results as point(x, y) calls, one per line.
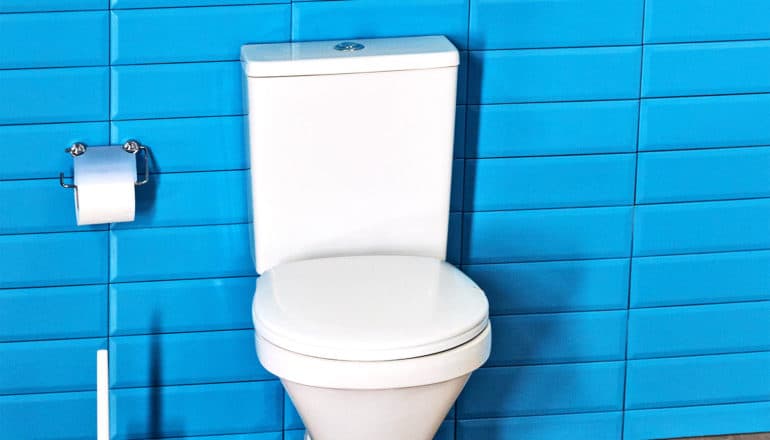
point(105, 185)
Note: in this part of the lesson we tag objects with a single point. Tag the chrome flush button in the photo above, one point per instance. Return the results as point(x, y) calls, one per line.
point(348, 46)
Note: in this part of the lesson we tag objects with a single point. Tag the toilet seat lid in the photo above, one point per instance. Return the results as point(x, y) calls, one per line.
point(368, 308)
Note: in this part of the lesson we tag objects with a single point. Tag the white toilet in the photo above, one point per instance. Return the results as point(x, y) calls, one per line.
point(371, 332)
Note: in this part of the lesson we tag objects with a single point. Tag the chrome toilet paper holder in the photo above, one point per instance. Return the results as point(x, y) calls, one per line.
point(130, 146)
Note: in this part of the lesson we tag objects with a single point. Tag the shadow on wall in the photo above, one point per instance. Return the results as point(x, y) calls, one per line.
point(155, 408)
point(147, 193)
point(516, 379)
point(157, 422)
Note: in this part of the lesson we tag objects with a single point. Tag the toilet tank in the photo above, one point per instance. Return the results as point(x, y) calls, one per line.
point(350, 147)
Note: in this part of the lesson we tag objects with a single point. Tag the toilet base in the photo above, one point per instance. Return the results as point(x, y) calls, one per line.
point(410, 413)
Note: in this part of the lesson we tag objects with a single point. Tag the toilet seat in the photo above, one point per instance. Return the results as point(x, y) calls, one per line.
point(368, 308)
point(356, 375)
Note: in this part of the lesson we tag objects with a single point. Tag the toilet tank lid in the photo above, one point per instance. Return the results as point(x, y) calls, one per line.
point(348, 56)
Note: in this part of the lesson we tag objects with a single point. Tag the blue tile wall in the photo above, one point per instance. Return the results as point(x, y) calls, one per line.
point(611, 194)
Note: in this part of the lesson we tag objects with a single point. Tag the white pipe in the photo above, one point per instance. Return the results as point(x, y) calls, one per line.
point(102, 395)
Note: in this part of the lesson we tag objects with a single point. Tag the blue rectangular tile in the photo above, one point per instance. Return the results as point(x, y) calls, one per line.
point(510, 76)
point(551, 128)
point(549, 182)
point(554, 286)
point(374, 19)
point(458, 176)
point(180, 306)
point(589, 426)
point(53, 95)
point(697, 421)
point(706, 69)
point(543, 389)
point(227, 29)
point(48, 416)
point(53, 313)
point(51, 5)
point(700, 279)
point(678, 176)
point(128, 4)
point(184, 144)
point(175, 90)
point(558, 338)
point(39, 148)
point(156, 254)
point(188, 199)
point(702, 227)
point(184, 358)
point(706, 122)
point(48, 366)
point(53, 39)
point(696, 330)
point(546, 234)
point(698, 380)
point(455, 238)
point(706, 20)
point(40, 260)
point(32, 206)
point(513, 24)
point(194, 410)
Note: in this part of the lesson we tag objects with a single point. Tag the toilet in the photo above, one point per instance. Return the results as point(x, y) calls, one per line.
point(371, 332)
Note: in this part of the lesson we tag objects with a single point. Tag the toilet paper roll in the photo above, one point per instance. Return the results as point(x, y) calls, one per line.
point(105, 185)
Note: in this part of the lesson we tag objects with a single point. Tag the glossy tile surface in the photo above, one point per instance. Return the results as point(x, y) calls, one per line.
point(53, 39)
point(539, 24)
point(582, 388)
point(184, 358)
point(698, 330)
point(49, 366)
point(610, 195)
point(181, 306)
point(47, 95)
point(701, 380)
point(551, 129)
point(53, 313)
point(225, 26)
point(556, 338)
point(234, 407)
point(708, 20)
point(698, 175)
point(546, 234)
point(39, 147)
point(553, 286)
point(549, 182)
point(498, 77)
point(700, 279)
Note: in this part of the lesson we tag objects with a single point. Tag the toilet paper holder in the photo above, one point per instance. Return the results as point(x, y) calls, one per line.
point(130, 146)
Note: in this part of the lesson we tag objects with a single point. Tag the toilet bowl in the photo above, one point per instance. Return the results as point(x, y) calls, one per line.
point(371, 347)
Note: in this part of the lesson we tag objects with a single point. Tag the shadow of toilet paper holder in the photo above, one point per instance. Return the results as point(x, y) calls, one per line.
point(130, 146)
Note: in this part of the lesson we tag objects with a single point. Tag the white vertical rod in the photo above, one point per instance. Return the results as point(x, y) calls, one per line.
point(102, 395)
